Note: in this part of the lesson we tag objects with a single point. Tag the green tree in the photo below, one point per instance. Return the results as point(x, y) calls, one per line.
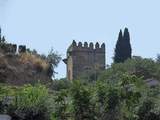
point(127, 48)
point(83, 108)
point(108, 101)
point(118, 54)
point(61, 84)
point(123, 49)
point(53, 59)
point(61, 106)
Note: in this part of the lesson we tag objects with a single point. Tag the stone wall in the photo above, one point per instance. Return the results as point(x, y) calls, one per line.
point(12, 48)
point(84, 57)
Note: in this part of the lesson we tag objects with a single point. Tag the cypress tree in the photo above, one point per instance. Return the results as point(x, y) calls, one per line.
point(117, 56)
point(123, 47)
point(127, 46)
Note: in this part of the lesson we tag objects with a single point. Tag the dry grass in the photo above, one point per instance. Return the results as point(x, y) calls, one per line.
point(35, 60)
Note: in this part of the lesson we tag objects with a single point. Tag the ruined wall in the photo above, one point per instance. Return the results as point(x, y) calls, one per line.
point(84, 57)
point(8, 48)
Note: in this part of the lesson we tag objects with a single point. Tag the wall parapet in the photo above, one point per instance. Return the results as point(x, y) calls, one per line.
point(87, 46)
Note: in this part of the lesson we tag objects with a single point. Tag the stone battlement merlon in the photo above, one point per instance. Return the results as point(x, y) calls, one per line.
point(84, 55)
point(12, 48)
point(87, 46)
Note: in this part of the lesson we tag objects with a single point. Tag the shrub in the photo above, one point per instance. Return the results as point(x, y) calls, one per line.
point(31, 103)
point(53, 59)
point(83, 108)
point(108, 99)
point(6, 96)
point(146, 68)
point(61, 84)
point(61, 106)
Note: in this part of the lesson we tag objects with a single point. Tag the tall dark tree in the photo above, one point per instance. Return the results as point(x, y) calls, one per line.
point(127, 45)
point(123, 49)
point(118, 53)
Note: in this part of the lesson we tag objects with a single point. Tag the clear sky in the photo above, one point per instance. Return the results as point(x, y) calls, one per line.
point(42, 24)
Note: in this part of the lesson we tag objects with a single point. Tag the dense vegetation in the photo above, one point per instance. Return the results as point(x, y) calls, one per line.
point(119, 93)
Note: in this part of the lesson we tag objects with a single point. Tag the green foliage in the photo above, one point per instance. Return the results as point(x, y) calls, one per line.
point(131, 91)
point(31, 103)
point(61, 84)
point(146, 111)
point(119, 94)
point(53, 59)
point(123, 49)
point(108, 101)
point(6, 94)
point(118, 57)
point(146, 68)
point(61, 105)
point(119, 100)
point(31, 96)
point(122, 100)
point(83, 109)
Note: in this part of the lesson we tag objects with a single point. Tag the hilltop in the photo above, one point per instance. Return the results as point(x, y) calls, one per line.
point(19, 70)
point(20, 65)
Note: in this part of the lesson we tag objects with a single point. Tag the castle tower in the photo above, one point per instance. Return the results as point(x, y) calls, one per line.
point(84, 57)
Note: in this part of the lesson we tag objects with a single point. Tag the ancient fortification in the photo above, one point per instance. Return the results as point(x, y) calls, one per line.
point(19, 65)
point(9, 48)
point(84, 57)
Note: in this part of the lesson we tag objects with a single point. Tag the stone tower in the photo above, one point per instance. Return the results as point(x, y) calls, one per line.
point(84, 57)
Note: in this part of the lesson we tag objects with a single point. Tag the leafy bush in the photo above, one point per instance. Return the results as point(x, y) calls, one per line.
point(146, 68)
point(125, 99)
point(31, 103)
point(61, 84)
point(61, 102)
point(83, 108)
point(108, 100)
point(6, 96)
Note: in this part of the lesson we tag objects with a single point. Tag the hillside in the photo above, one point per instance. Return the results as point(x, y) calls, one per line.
point(15, 71)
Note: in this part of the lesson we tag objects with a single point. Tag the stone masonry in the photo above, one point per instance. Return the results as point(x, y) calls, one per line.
point(84, 57)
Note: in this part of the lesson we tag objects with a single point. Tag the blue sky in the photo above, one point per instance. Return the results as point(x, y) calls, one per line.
point(42, 24)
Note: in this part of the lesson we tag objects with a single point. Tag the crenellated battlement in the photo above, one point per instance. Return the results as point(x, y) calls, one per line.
point(87, 46)
point(84, 55)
